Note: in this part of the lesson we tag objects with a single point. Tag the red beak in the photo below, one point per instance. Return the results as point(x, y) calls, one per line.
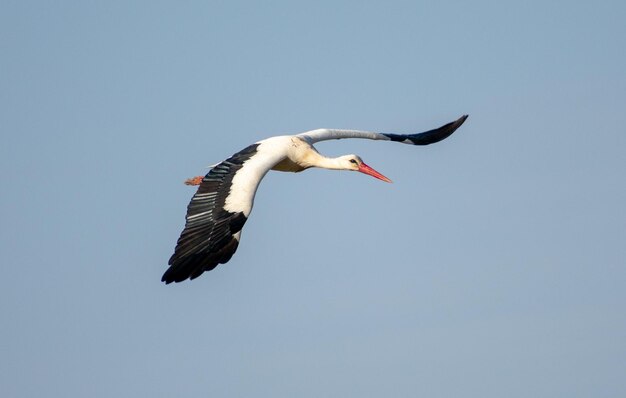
point(365, 169)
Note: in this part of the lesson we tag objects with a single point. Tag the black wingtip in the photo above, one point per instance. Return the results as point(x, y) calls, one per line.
point(438, 134)
point(458, 122)
point(430, 136)
point(178, 271)
point(169, 277)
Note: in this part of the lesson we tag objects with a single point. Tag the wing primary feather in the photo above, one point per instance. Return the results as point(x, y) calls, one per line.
point(430, 136)
point(208, 238)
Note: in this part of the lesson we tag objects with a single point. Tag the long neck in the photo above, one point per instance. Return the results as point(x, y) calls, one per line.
point(312, 158)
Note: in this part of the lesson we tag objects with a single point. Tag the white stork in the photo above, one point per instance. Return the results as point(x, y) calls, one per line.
point(223, 201)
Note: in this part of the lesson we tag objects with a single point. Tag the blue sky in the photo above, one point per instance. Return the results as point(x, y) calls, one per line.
point(493, 266)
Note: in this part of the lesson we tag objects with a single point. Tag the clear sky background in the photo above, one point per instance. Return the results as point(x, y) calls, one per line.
point(494, 266)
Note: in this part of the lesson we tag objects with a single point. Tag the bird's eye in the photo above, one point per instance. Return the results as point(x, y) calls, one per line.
point(353, 161)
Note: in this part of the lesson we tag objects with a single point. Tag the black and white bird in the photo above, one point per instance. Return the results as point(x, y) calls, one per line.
point(223, 202)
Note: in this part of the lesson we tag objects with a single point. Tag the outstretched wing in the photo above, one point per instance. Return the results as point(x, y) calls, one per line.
point(425, 138)
point(214, 220)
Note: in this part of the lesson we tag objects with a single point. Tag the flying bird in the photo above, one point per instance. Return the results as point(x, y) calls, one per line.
point(223, 202)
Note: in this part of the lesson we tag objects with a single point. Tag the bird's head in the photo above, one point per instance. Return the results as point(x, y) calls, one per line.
point(355, 163)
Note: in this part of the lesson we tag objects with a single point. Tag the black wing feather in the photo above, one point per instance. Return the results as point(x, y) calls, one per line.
point(208, 237)
point(430, 136)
